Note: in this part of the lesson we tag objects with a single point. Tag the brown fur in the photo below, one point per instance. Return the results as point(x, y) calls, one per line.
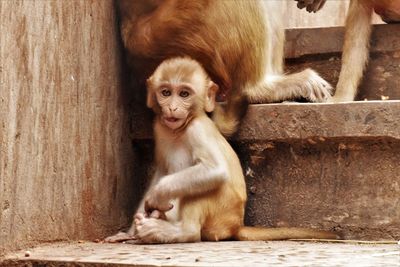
point(356, 42)
point(199, 182)
point(239, 43)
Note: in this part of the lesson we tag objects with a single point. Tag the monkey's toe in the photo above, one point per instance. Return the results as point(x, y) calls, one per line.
point(139, 218)
point(119, 237)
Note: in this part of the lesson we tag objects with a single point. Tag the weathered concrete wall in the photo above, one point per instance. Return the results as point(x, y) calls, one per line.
point(65, 156)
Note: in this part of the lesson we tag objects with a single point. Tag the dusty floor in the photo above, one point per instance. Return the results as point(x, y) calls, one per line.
point(209, 254)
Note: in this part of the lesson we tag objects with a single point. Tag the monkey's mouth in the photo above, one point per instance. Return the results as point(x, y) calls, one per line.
point(171, 119)
point(173, 122)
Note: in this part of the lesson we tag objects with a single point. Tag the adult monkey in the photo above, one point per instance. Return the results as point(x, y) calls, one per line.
point(198, 178)
point(239, 43)
point(356, 41)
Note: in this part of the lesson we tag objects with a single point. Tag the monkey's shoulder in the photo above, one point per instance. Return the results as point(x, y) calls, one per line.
point(203, 129)
point(204, 136)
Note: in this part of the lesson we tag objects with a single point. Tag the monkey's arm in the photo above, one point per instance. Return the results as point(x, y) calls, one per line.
point(195, 180)
point(155, 179)
point(208, 173)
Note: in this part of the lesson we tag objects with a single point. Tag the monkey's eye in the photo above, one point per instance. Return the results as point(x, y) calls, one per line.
point(184, 94)
point(166, 92)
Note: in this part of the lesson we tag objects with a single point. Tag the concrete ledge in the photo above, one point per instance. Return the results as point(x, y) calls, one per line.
point(323, 121)
point(303, 121)
point(301, 42)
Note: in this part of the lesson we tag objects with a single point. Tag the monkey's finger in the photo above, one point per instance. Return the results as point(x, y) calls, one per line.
point(166, 207)
point(155, 214)
point(158, 215)
point(308, 4)
point(139, 216)
point(317, 5)
point(301, 5)
point(149, 208)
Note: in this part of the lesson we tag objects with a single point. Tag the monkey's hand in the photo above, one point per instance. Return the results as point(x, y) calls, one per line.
point(310, 5)
point(156, 199)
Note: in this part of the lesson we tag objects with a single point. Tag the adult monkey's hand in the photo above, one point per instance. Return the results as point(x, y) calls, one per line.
point(310, 5)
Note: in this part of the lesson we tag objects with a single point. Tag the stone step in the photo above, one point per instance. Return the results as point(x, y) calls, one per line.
point(317, 122)
point(331, 166)
point(258, 253)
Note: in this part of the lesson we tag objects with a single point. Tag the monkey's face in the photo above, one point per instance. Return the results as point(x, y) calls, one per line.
point(180, 90)
point(175, 102)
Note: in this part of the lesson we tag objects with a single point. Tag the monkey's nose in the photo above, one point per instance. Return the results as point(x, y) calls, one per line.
point(173, 109)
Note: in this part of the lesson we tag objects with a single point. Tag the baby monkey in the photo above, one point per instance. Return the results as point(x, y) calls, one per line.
point(198, 191)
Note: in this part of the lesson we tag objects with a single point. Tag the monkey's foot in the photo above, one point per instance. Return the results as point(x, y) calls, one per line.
point(119, 237)
point(150, 230)
point(316, 89)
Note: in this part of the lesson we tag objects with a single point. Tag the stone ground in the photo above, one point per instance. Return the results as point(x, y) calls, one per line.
point(258, 253)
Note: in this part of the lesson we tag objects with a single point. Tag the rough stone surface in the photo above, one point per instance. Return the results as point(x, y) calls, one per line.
point(289, 121)
point(209, 254)
point(65, 153)
point(363, 119)
point(347, 186)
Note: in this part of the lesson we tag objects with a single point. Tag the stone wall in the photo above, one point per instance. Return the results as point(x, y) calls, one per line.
point(66, 161)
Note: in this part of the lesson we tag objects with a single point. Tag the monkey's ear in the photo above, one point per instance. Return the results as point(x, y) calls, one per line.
point(150, 93)
point(209, 103)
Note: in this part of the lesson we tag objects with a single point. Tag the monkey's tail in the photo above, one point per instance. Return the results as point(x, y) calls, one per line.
point(247, 233)
point(227, 118)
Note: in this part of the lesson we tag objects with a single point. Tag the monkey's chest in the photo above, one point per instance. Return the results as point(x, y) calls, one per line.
point(177, 159)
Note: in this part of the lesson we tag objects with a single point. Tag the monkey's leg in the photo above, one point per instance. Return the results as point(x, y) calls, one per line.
point(152, 230)
point(355, 51)
point(307, 84)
